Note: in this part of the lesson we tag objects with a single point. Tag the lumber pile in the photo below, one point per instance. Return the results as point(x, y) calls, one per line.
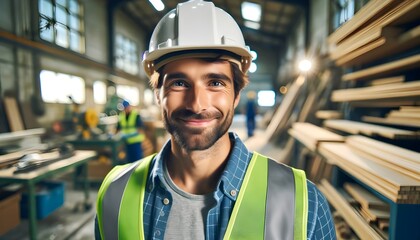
point(383, 167)
point(375, 211)
point(342, 229)
point(405, 116)
point(376, 31)
point(350, 215)
point(311, 135)
point(354, 127)
point(388, 91)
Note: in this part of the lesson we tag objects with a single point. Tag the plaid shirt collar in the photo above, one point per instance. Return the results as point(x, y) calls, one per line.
point(232, 177)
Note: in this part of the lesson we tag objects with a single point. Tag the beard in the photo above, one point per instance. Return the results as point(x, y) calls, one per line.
point(193, 139)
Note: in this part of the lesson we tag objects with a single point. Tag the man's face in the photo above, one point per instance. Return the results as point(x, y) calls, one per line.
point(198, 101)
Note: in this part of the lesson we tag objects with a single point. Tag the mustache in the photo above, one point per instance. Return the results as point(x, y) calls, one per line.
point(186, 114)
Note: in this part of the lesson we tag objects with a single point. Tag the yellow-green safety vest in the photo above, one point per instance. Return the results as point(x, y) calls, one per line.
point(128, 127)
point(272, 202)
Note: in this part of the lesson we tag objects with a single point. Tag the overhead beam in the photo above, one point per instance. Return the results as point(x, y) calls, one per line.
point(300, 3)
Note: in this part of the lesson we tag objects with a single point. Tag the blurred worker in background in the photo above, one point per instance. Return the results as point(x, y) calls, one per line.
point(130, 126)
point(205, 183)
point(251, 113)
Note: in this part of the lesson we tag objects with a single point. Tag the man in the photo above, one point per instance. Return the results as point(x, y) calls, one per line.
point(131, 127)
point(204, 183)
point(251, 112)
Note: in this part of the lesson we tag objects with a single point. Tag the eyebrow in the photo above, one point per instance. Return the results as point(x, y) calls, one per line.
point(171, 76)
point(220, 76)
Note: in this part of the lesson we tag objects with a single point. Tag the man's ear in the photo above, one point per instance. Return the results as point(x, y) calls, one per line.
point(237, 98)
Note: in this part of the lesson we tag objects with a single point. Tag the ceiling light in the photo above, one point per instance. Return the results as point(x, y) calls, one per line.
point(253, 67)
point(251, 11)
point(254, 55)
point(305, 65)
point(157, 4)
point(253, 25)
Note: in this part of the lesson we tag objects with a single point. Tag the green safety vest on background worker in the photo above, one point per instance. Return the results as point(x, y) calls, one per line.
point(128, 127)
point(272, 202)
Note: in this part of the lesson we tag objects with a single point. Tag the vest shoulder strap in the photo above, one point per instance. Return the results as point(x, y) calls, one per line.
point(120, 187)
point(271, 204)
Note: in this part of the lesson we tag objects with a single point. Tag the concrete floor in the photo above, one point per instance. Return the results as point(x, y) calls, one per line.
point(66, 223)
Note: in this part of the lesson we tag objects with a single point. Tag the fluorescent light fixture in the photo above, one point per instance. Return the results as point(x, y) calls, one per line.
point(157, 4)
point(253, 25)
point(266, 98)
point(251, 11)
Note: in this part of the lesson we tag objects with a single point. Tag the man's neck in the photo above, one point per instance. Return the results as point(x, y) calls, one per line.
point(198, 172)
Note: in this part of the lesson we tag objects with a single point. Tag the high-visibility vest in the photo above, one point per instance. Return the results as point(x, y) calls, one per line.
point(272, 202)
point(128, 127)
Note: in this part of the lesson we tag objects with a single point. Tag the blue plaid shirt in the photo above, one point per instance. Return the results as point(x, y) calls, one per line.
point(158, 200)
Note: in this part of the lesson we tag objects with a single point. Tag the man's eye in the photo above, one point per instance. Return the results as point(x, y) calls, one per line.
point(216, 83)
point(178, 84)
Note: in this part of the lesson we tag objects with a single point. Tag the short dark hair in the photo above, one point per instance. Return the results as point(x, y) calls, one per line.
point(240, 79)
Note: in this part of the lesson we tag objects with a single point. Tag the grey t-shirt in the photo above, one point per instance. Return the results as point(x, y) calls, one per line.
point(188, 215)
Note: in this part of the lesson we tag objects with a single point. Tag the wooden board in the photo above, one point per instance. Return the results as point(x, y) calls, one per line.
point(392, 121)
point(386, 148)
point(362, 18)
point(397, 90)
point(364, 197)
point(384, 69)
point(328, 114)
point(311, 135)
point(13, 114)
point(393, 185)
point(354, 127)
point(357, 223)
point(388, 80)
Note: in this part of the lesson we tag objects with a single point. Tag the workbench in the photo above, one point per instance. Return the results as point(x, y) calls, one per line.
point(115, 145)
point(30, 179)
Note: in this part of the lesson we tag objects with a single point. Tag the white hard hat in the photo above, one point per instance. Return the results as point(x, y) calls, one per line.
point(196, 28)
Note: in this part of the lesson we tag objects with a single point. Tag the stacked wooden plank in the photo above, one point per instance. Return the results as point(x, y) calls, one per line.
point(311, 135)
point(354, 127)
point(375, 32)
point(388, 91)
point(405, 116)
point(351, 216)
point(385, 69)
point(371, 208)
point(404, 161)
point(328, 114)
point(378, 165)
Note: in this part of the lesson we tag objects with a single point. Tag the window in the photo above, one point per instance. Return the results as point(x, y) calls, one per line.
point(129, 93)
point(58, 87)
point(266, 98)
point(126, 55)
point(344, 10)
point(61, 22)
point(99, 92)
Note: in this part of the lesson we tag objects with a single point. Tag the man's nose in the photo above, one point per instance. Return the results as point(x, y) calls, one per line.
point(197, 99)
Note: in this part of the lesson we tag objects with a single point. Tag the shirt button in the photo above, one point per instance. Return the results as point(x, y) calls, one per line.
point(157, 233)
point(233, 193)
point(165, 201)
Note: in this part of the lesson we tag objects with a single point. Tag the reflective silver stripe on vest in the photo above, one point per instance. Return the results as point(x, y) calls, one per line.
point(280, 206)
point(112, 200)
